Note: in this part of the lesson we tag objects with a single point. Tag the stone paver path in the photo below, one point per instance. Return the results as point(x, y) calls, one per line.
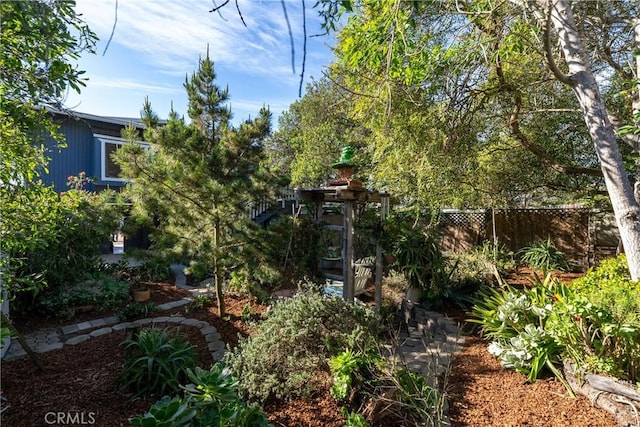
point(429, 343)
point(46, 340)
point(427, 347)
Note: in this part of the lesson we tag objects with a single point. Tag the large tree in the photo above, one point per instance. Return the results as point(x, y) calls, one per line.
point(196, 181)
point(581, 78)
point(498, 76)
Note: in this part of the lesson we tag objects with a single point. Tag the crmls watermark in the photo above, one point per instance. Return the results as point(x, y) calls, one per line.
point(70, 418)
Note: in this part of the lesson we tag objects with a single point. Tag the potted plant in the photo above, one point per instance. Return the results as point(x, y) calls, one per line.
point(141, 292)
point(418, 257)
point(332, 259)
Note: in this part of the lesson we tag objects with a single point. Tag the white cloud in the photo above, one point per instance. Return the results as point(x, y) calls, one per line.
point(157, 42)
point(170, 35)
point(129, 84)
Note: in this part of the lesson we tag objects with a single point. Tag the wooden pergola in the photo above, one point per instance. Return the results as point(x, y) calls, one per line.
point(350, 194)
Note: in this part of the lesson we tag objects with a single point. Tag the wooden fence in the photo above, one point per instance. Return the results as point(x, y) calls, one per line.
point(585, 236)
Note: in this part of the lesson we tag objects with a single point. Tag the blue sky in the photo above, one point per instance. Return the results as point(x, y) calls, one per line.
point(158, 42)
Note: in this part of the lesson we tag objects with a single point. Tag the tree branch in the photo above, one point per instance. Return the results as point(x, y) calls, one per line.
point(514, 127)
point(544, 158)
point(549, 54)
point(633, 140)
point(217, 8)
point(304, 47)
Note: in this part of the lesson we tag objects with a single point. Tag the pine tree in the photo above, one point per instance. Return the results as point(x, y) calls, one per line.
point(198, 178)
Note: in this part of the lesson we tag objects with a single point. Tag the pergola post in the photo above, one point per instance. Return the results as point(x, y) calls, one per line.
point(348, 284)
point(384, 210)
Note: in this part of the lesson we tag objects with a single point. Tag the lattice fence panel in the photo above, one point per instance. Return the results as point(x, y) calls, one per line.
point(461, 230)
point(519, 228)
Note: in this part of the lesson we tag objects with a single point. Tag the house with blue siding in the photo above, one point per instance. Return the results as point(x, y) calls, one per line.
point(90, 142)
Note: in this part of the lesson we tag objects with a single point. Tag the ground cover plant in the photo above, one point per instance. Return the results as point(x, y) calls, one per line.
point(101, 293)
point(313, 340)
point(593, 322)
point(210, 398)
point(544, 256)
point(482, 262)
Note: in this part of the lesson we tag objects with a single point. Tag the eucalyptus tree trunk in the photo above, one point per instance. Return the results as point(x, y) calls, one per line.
point(582, 80)
point(636, 101)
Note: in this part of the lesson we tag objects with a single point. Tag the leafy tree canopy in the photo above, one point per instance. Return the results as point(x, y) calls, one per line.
point(38, 41)
point(312, 132)
point(462, 90)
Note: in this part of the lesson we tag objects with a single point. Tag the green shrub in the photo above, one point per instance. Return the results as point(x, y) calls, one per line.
point(79, 222)
point(599, 321)
point(594, 322)
point(362, 378)
point(543, 255)
point(418, 256)
point(355, 420)
point(157, 362)
point(515, 322)
point(213, 385)
point(199, 302)
point(353, 366)
point(214, 393)
point(479, 261)
point(295, 341)
point(151, 270)
point(167, 412)
point(610, 286)
point(135, 310)
point(104, 293)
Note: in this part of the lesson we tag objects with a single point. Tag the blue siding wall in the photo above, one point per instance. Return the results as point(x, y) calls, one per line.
point(75, 158)
point(82, 154)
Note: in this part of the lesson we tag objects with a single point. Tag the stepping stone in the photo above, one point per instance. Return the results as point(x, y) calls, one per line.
point(48, 347)
point(122, 326)
point(212, 337)
point(111, 320)
point(77, 340)
point(70, 329)
point(97, 323)
point(190, 322)
point(15, 352)
point(218, 355)
point(163, 319)
point(84, 325)
point(100, 332)
point(215, 345)
point(208, 330)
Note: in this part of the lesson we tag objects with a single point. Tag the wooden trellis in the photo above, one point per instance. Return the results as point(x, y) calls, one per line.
point(350, 197)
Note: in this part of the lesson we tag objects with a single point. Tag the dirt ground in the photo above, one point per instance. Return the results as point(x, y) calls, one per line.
point(81, 379)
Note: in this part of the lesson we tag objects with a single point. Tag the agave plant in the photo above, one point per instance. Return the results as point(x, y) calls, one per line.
point(158, 362)
point(166, 412)
point(543, 255)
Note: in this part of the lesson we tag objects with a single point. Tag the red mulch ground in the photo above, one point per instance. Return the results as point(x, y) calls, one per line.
point(82, 379)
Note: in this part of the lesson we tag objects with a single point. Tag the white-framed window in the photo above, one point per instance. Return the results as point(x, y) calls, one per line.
point(110, 170)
